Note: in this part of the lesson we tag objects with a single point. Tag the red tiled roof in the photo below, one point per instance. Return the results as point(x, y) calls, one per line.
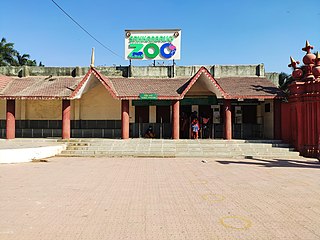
point(249, 87)
point(4, 81)
point(165, 88)
point(40, 87)
point(130, 88)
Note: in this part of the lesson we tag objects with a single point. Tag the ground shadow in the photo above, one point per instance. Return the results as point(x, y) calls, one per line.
point(276, 163)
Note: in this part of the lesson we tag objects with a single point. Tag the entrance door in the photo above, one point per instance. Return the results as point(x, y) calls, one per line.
point(185, 114)
point(141, 120)
point(163, 114)
point(205, 112)
point(163, 124)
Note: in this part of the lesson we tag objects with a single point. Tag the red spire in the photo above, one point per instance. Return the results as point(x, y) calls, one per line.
point(308, 47)
point(293, 63)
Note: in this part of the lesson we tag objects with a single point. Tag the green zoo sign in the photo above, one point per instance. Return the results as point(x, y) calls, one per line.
point(147, 47)
point(151, 50)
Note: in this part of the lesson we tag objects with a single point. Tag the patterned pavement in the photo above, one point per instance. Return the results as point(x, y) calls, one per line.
point(152, 198)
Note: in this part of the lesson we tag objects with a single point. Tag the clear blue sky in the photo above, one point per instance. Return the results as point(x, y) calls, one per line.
point(213, 32)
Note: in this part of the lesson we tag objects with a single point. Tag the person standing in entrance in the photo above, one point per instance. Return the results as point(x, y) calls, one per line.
point(195, 127)
point(205, 127)
point(184, 125)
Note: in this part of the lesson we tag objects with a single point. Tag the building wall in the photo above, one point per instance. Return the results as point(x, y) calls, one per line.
point(260, 114)
point(131, 112)
point(238, 70)
point(268, 120)
point(39, 110)
point(75, 109)
point(137, 71)
point(273, 77)
point(152, 114)
point(2, 109)
point(34, 109)
point(98, 104)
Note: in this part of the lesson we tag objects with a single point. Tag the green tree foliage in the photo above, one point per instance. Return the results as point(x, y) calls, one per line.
point(11, 57)
point(7, 53)
point(284, 80)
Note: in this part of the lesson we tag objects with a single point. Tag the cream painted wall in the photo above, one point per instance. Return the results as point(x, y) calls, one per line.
point(95, 104)
point(259, 113)
point(152, 114)
point(201, 87)
point(268, 120)
point(22, 109)
point(75, 109)
point(3, 109)
point(42, 109)
point(98, 104)
point(34, 109)
point(131, 112)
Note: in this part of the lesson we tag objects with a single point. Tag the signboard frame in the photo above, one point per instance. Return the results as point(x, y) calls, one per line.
point(153, 44)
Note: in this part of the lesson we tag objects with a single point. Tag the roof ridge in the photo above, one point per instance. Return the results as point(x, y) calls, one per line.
point(196, 76)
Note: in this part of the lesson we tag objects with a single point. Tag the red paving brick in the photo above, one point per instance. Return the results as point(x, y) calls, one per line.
point(150, 198)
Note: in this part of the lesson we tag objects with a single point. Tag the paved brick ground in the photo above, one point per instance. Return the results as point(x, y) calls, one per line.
point(143, 198)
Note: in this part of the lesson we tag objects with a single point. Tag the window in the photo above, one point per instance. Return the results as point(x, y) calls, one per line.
point(267, 107)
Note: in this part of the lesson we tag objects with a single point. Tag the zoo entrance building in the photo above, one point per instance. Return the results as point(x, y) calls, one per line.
point(122, 102)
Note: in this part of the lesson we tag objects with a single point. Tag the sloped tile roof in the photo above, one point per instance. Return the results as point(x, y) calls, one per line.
point(4, 81)
point(132, 87)
point(40, 87)
point(249, 87)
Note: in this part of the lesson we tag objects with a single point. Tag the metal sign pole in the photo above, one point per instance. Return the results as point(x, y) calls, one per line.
point(173, 63)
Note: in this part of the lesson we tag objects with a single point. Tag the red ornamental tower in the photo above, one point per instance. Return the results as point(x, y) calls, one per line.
point(316, 68)
point(302, 124)
point(308, 60)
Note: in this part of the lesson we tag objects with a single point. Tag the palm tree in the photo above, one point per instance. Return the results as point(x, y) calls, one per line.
point(22, 60)
point(11, 57)
point(284, 80)
point(31, 63)
point(7, 53)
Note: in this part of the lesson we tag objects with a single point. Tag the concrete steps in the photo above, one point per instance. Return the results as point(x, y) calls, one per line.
point(177, 148)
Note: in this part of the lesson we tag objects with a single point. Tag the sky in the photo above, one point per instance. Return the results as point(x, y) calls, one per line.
point(213, 32)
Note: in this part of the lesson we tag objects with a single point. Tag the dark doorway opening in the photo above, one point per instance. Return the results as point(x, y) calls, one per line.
point(185, 114)
point(163, 114)
point(141, 114)
point(205, 115)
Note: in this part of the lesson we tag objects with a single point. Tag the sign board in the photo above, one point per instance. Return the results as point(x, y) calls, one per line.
point(152, 44)
point(148, 96)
